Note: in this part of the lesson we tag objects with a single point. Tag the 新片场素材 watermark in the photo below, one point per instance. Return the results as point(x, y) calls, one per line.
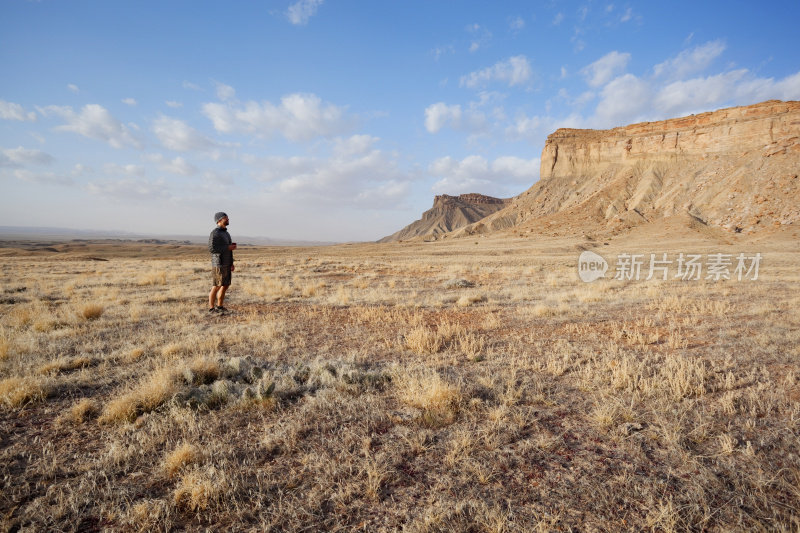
point(683, 266)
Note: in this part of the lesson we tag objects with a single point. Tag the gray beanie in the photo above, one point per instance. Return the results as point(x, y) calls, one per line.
point(219, 216)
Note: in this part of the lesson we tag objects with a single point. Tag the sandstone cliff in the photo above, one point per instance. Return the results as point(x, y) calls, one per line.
point(735, 169)
point(447, 214)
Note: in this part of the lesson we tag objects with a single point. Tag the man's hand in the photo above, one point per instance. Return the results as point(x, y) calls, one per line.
point(233, 267)
point(232, 247)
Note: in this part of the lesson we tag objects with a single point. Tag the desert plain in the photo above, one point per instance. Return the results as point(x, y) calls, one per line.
point(472, 384)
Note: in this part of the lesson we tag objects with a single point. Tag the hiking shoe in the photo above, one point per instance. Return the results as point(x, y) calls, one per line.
point(220, 309)
point(212, 310)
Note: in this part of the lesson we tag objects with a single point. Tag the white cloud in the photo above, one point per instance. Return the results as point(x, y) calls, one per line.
point(690, 62)
point(300, 12)
point(174, 104)
point(177, 165)
point(516, 24)
point(225, 92)
point(524, 126)
point(95, 122)
point(299, 117)
point(129, 101)
point(128, 189)
point(481, 37)
point(504, 176)
point(20, 156)
point(630, 99)
point(354, 145)
point(73, 88)
point(12, 111)
point(606, 68)
point(124, 170)
point(440, 51)
point(440, 114)
point(696, 94)
point(42, 178)
point(357, 174)
point(516, 168)
point(558, 19)
point(628, 15)
point(176, 135)
point(623, 100)
point(191, 86)
point(514, 71)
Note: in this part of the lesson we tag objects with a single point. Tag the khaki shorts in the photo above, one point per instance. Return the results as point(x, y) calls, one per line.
point(221, 276)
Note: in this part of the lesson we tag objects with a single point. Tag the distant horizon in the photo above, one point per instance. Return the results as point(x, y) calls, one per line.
point(67, 233)
point(340, 121)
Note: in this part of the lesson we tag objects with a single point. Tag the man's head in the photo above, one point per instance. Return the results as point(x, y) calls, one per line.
point(221, 219)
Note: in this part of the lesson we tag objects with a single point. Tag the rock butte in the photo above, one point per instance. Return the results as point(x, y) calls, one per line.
point(447, 214)
point(734, 169)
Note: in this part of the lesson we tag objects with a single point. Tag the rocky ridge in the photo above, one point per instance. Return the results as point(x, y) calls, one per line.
point(735, 169)
point(449, 213)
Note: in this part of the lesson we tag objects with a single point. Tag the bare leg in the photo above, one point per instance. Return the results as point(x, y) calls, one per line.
point(212, 296)
point(221, 295)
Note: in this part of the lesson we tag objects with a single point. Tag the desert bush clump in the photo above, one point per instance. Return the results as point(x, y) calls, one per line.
point(16, 391)
point(426, 390)
point(66, 364)
point(83, 410)
point(422, 340)
point(91, 311)
point(200, 488)
point(467, 300)
point(183, 455)
point(148, 395)
point(153, 278)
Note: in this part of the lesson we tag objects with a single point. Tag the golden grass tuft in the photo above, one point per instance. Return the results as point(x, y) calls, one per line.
point(91, 311)
point(5, 345)
point(151, 392)
point(153, 278)
point(66, 364)
point(83, 410)
point(311, 289)
point(16, 391)
point(199, 489)
point(184, 455)
point(472, 345)
point(202, 370)
point(425, 389)
point(133, 354)
point(467, 300)
point(422, 340)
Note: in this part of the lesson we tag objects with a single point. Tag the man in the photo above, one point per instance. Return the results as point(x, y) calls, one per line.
point(221, 248)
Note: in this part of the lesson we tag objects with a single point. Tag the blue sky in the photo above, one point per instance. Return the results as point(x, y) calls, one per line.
point(340, 119)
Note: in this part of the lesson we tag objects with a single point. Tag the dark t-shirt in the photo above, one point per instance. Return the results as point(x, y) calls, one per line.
point(218, 243)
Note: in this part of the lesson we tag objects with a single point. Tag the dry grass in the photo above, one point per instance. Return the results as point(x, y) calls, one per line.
point(83, 411)
point(20, 391)
point(352, 388)
point(91, 311)
point(199, 489)
point(150, 393)
point(184, 455)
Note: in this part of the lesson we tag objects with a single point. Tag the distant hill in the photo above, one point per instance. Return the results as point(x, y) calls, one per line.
point(449, 213)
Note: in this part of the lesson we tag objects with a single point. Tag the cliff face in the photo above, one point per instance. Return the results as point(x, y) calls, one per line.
point(770, 128)
point(734, 168)
point(449, 213)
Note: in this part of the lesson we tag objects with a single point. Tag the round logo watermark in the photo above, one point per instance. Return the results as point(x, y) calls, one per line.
point(591, 266)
